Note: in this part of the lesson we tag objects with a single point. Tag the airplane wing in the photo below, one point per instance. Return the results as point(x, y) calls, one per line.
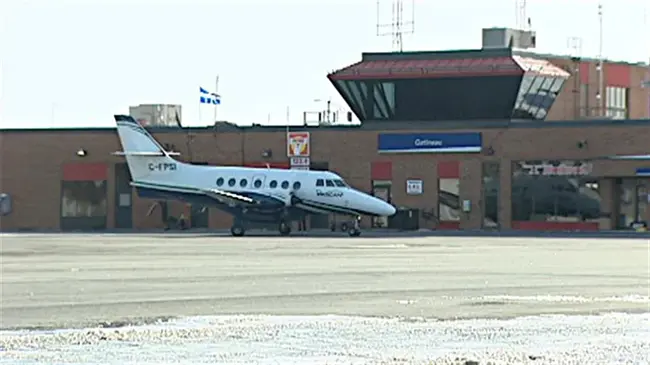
point(221, 196)
point(229, 198)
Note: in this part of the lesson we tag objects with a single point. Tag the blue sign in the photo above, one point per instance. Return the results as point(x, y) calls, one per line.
point(643, 171)
point(429, 142)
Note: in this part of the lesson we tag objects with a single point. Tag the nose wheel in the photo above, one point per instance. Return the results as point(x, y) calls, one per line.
point(284, 228)
point(355, 230)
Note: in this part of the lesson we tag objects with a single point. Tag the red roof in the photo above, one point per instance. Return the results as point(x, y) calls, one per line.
point(539, 66)
point(434, 68)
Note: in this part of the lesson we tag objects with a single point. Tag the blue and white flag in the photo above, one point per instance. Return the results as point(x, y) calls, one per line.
point(209, 98)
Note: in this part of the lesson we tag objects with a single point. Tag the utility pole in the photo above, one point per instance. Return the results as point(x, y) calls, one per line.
point(601, 79)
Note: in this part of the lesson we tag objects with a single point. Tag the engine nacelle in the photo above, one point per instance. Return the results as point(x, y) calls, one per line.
point(290, 200)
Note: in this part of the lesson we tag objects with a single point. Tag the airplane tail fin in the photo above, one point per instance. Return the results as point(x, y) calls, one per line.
point(143, 153)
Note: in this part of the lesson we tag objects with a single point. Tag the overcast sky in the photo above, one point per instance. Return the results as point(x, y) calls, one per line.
point(76, 63)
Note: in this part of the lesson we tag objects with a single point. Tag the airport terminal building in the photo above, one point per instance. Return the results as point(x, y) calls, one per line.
point(480, 139)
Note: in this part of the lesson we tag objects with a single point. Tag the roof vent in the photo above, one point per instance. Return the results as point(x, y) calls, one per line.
point(508, 38)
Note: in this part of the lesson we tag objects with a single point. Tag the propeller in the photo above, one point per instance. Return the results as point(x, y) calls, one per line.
point(293, 199)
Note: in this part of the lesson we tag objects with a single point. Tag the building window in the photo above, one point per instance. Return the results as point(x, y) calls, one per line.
point(449, 200)
point(554, 191)
point(585, 110)
point(83, 199)
point(616, 102)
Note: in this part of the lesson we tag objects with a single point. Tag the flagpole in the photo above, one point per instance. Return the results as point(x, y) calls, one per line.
point(216, 90)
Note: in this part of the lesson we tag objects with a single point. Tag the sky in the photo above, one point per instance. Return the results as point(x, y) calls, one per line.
point(77, 63)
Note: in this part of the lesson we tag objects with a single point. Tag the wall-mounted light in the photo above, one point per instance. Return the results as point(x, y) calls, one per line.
point(82, 153)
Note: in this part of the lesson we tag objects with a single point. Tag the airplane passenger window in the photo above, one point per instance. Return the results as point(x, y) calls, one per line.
point(273, 184)
point(319, 182)
point(257, 183)
point(285, 185)
point(329, 182)
point(296, 185)
point(339, 183)
point(220, 181)
point(243, 183)
point(232, 182)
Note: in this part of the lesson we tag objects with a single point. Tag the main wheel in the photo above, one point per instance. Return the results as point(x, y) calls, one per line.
point(354, 232)
point(237, 230)
point(284, 229)
point(344, 227)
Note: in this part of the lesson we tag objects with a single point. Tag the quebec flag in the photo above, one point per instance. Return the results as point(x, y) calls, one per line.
point(209, 98)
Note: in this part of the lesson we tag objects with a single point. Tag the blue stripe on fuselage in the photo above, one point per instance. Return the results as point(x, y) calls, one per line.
point(270, 206)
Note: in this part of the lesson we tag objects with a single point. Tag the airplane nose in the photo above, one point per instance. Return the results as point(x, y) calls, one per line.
point(385, 209)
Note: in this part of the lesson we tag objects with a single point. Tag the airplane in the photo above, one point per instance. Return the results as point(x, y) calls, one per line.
point(250, 195)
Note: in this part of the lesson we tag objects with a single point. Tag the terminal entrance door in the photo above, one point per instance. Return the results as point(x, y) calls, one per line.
point(123, 197)
point(632, 201)
point(491, 192)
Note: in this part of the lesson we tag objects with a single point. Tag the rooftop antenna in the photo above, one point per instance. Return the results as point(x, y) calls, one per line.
point(521, 21)
point(398, 26)
point(575, 50)
point(599, 67)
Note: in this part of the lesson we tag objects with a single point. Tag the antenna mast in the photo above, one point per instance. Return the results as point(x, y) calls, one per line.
point(601, 79)
point(397, 25)
point(575, 49)
point(520, 15)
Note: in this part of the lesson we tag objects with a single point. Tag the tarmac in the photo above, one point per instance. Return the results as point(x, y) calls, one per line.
point(77, 280)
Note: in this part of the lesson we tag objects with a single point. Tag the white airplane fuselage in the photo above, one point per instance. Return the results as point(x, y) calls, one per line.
point(249, 194)
point(264, 183)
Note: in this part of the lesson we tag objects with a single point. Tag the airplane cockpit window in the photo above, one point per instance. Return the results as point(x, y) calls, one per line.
point(320, 182)
point(232, 182)
point(296, 185)
point(329, 182)
point(340, 183)
point(243, 183)
point(273, 184)
point(285, 185)
point(220, 181)
point(257, 183)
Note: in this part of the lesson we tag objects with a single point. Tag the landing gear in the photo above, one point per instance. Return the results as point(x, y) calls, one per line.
point(355, 230)
point(238, 229)
point(284, 228)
